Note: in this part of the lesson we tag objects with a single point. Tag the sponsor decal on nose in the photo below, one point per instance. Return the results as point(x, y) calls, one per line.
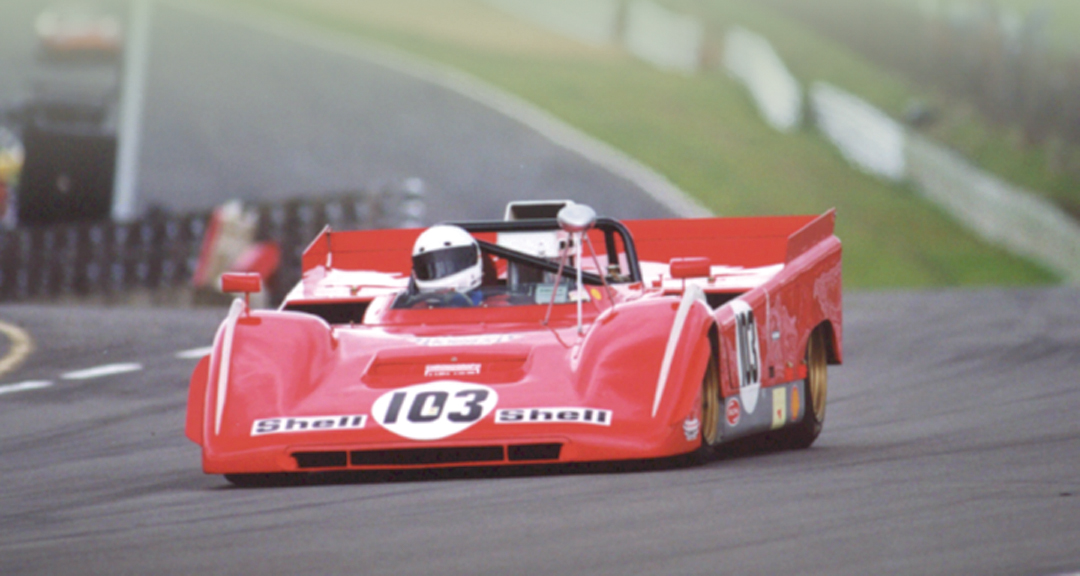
point(554, 416)
point(437, 370)
point(286, 425)
point(434, 410)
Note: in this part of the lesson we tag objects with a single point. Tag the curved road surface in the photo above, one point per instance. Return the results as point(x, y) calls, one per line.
point(952, 443)
point(236, 112)
point(952, 446)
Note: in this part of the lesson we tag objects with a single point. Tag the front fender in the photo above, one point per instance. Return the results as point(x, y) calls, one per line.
point(649, 357)
point(265, 363)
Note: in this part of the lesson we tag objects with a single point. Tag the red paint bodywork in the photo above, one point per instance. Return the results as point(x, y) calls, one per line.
point(285, 364)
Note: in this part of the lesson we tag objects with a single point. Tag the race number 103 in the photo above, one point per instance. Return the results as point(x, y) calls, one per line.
point(434, 410)
point(429, 406)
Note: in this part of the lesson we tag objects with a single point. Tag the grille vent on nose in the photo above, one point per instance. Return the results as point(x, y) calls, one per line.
point(525, 452)
point(422, 456)
point(320, 459)
point(429, 456)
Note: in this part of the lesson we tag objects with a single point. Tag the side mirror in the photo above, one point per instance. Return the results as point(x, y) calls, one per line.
point(245, 282)
point(576, 218)
point(691, 268)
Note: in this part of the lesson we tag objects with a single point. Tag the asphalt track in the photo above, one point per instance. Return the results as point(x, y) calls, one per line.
point(952, 444)
point(233, 111)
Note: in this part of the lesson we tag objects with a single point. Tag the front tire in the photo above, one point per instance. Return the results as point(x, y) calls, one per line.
point(710, 408)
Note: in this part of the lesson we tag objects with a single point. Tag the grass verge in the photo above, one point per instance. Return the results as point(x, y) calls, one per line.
point(702, 132)
point(1050, 169)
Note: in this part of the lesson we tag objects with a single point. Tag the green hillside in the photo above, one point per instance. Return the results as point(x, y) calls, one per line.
point(1046, 166)
point(1064, 15)
point(702, 132)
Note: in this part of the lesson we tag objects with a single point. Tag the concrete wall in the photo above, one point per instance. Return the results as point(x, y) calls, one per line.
point(664, 38)
point(590, 21)
point(1007, 215)
point(867, 137)
point(751, 60)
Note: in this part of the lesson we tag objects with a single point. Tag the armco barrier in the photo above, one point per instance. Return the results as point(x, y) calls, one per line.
point(751, 60)
point(663, 38)
point(159, 253)
point(106, 259)
point(666, 39)
point(1007, 215)
point(866, 137)
point(591, 21)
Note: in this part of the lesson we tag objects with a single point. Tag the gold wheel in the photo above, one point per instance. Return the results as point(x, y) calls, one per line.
point(817, 375)
point(710, 405)
point(803, 434)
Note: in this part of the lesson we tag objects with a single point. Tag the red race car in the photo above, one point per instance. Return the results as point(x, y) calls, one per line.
point(551, 337)
point(79, 29)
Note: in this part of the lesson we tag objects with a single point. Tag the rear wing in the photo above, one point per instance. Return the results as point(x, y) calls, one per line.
point(745, 242)
point(387, 251)
point(738, 242)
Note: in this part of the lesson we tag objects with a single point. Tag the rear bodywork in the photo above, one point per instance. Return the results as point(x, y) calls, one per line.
point(339, 379)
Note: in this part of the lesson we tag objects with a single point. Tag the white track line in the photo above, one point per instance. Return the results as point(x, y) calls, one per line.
point(23, 386)
point(560, 133)
point(194, 353)
point(102, 371)
point(21, 347)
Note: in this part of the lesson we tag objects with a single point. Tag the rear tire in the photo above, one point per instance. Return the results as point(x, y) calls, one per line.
point(803, 434)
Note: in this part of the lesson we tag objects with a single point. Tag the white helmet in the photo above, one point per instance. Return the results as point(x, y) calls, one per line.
point(446, 258)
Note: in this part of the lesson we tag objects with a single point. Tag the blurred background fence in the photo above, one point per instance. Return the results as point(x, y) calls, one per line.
point(751, 59)
point(975, 51)
point(592, 21)
point(870, 140)
point(106, 259)
point(865, 136)
point(663, 38)
point(1003, 63)
point(657, 35)
point(1007, 215)
point(155, 258)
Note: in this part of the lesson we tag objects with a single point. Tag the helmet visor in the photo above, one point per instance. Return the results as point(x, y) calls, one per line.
point(442, 263)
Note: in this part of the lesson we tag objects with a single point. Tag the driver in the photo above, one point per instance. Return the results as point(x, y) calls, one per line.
point(447, 268)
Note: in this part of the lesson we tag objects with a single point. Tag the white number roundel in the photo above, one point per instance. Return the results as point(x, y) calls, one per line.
point(434, 410)
point(747, 354)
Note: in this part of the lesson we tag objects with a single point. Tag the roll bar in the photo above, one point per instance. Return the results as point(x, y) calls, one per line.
point(609, 226)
